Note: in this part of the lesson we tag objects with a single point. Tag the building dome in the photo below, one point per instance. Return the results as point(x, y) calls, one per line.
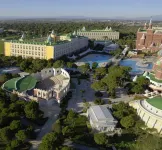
point(53, 35)
point(159, 53)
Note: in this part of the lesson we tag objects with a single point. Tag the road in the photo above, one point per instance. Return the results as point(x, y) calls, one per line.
point(52, 111)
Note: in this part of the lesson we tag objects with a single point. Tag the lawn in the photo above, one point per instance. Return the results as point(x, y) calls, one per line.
point(1, 47)
point(156, 102)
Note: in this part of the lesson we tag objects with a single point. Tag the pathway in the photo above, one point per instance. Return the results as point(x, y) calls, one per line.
point(52, 111)
point(76, 102)
point(78, 146)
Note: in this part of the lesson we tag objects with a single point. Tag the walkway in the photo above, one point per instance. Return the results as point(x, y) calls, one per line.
point(78, 146)
point(52, 111)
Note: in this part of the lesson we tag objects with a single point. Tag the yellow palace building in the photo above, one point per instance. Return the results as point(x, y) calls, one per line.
point(51, 48)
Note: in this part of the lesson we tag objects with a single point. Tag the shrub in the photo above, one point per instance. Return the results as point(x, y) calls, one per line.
point(99, 101)
point(98, 94)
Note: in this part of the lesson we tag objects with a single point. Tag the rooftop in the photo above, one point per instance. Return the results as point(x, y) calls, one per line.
point(98, 31)
point(20, 84)
point(102, 113)
point(39, 41)
point(156, 102)
point(26, 83)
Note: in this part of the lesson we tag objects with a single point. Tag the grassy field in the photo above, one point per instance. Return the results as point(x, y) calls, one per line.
point(1, 47)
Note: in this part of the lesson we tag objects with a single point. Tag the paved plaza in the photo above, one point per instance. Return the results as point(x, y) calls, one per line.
point(76, 102)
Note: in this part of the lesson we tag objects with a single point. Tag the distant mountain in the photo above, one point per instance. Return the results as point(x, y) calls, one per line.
point(156, 18)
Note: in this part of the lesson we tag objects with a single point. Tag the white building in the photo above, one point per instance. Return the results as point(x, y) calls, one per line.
point(150, 111)
point(101, 118)
point(105, 34)
point(49, 83)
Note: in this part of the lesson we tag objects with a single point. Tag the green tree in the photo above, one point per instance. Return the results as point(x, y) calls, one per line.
point(137, 89)
point(140, 85)
point(50, 141)
point(21, 135)
point(15, 125)
point(67, 131)
point(98, 86)
point(14, 97)
point(84, 68)
point(15, 144)
point(57, 127)
point(59, 64)
point(98, 94)
point(94, 65)
point(69, 64)
point(99, 101)
point(127, 121)
point(100, 72)
point(120, 106)
point(67, 148)
point(71, 115)
point(5, 134)
point(119, 114)
point(151, 142)
point(32, 110)
point(101, 138)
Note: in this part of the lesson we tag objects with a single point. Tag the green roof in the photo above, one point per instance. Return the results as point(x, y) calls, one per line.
point(44, 42)
point(26, 83)
point(20, 84)
point(152, 77)
point(156, 102)
point(10, 84)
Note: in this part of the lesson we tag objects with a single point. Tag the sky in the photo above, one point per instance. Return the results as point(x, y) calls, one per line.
point(87, 8)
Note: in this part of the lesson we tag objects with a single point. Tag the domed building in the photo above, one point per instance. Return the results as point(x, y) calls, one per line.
point(150, 111)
